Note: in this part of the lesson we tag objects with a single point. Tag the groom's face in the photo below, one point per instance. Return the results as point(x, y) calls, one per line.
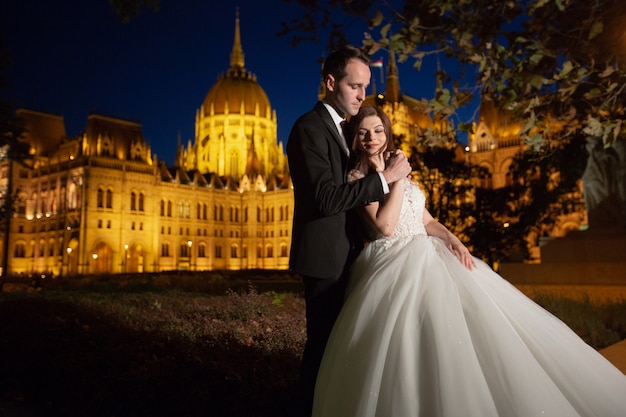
point(347, 94)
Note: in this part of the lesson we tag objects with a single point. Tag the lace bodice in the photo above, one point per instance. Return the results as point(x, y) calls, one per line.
point(411, 221)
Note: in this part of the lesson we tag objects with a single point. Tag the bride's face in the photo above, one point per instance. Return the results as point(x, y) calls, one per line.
point(371, 136)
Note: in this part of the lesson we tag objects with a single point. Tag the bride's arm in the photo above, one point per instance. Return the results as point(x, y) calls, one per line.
point(383, 218)
point(436, 229)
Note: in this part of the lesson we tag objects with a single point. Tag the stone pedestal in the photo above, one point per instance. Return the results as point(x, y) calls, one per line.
point(591, 262)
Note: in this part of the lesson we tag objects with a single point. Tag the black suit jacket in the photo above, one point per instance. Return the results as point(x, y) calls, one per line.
point(323, 240)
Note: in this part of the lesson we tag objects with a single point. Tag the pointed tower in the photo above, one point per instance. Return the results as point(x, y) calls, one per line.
point(235, 116)
point(392, 85)
point(406, 114)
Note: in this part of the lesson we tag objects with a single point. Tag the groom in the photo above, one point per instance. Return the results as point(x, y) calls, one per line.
point(323, 241)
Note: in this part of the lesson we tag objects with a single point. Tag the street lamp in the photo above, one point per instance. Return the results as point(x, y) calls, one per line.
point(189, 244)
point(69, 260)
point(125, 258)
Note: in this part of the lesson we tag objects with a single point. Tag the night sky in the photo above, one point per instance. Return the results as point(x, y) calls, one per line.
point(74, 58)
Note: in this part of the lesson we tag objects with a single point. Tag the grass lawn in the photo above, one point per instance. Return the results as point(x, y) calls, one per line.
point(212, 344)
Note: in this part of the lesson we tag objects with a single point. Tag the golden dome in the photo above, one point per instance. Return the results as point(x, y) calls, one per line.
point(237, 91)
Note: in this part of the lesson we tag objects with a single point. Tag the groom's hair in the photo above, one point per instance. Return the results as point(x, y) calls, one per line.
point(337, 60)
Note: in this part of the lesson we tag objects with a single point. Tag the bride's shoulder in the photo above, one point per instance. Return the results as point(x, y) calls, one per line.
point(354, 175)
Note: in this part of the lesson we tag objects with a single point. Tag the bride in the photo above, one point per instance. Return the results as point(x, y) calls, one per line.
point(428, 330)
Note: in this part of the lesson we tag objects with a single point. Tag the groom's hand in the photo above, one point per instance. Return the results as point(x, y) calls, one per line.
point(397, 168)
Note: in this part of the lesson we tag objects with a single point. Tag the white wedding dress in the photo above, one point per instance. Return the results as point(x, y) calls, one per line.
point(421, 335)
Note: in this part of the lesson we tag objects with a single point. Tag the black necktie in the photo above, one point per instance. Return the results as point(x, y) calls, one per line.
point(345, 131)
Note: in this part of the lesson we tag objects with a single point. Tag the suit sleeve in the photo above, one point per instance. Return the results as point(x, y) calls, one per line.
point(316, 162)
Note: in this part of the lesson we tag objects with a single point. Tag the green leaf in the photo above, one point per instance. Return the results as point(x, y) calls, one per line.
point(596, 29)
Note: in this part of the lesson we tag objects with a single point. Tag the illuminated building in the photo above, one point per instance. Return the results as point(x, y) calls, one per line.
point(101, 203)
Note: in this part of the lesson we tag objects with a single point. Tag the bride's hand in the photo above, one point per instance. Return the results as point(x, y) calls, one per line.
point(461, 252)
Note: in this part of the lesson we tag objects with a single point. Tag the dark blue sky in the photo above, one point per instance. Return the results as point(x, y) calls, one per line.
point(73, 58)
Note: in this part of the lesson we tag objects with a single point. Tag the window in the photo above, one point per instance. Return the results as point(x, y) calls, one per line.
point(165, 249)
point(20, 250)
point(109, 202)
point(141, 202)
point(133, 201)
point(100, 198)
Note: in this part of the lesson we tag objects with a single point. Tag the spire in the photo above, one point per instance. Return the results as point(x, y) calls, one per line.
point(392, 93)
point(236, 56)
point(253, 165)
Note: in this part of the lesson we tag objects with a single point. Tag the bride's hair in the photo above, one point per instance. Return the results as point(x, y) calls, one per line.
point(359, 159)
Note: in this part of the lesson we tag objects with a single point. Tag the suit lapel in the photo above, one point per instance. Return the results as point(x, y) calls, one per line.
point(330, 125)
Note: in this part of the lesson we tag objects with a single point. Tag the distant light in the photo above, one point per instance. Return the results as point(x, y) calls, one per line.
point(506, 224)
point(467, 149)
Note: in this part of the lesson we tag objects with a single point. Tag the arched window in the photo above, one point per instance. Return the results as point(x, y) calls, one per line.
point(109, 201)
point(133, 201)
point(100, 198)
point(20, 250)
point(140, 201)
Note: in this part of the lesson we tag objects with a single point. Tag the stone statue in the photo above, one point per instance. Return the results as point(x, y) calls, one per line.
point(604, 185)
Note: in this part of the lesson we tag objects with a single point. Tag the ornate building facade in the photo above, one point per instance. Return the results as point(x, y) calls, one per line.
point(101, 203)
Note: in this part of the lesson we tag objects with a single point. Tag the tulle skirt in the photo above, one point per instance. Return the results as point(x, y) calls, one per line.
point(420, 335)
